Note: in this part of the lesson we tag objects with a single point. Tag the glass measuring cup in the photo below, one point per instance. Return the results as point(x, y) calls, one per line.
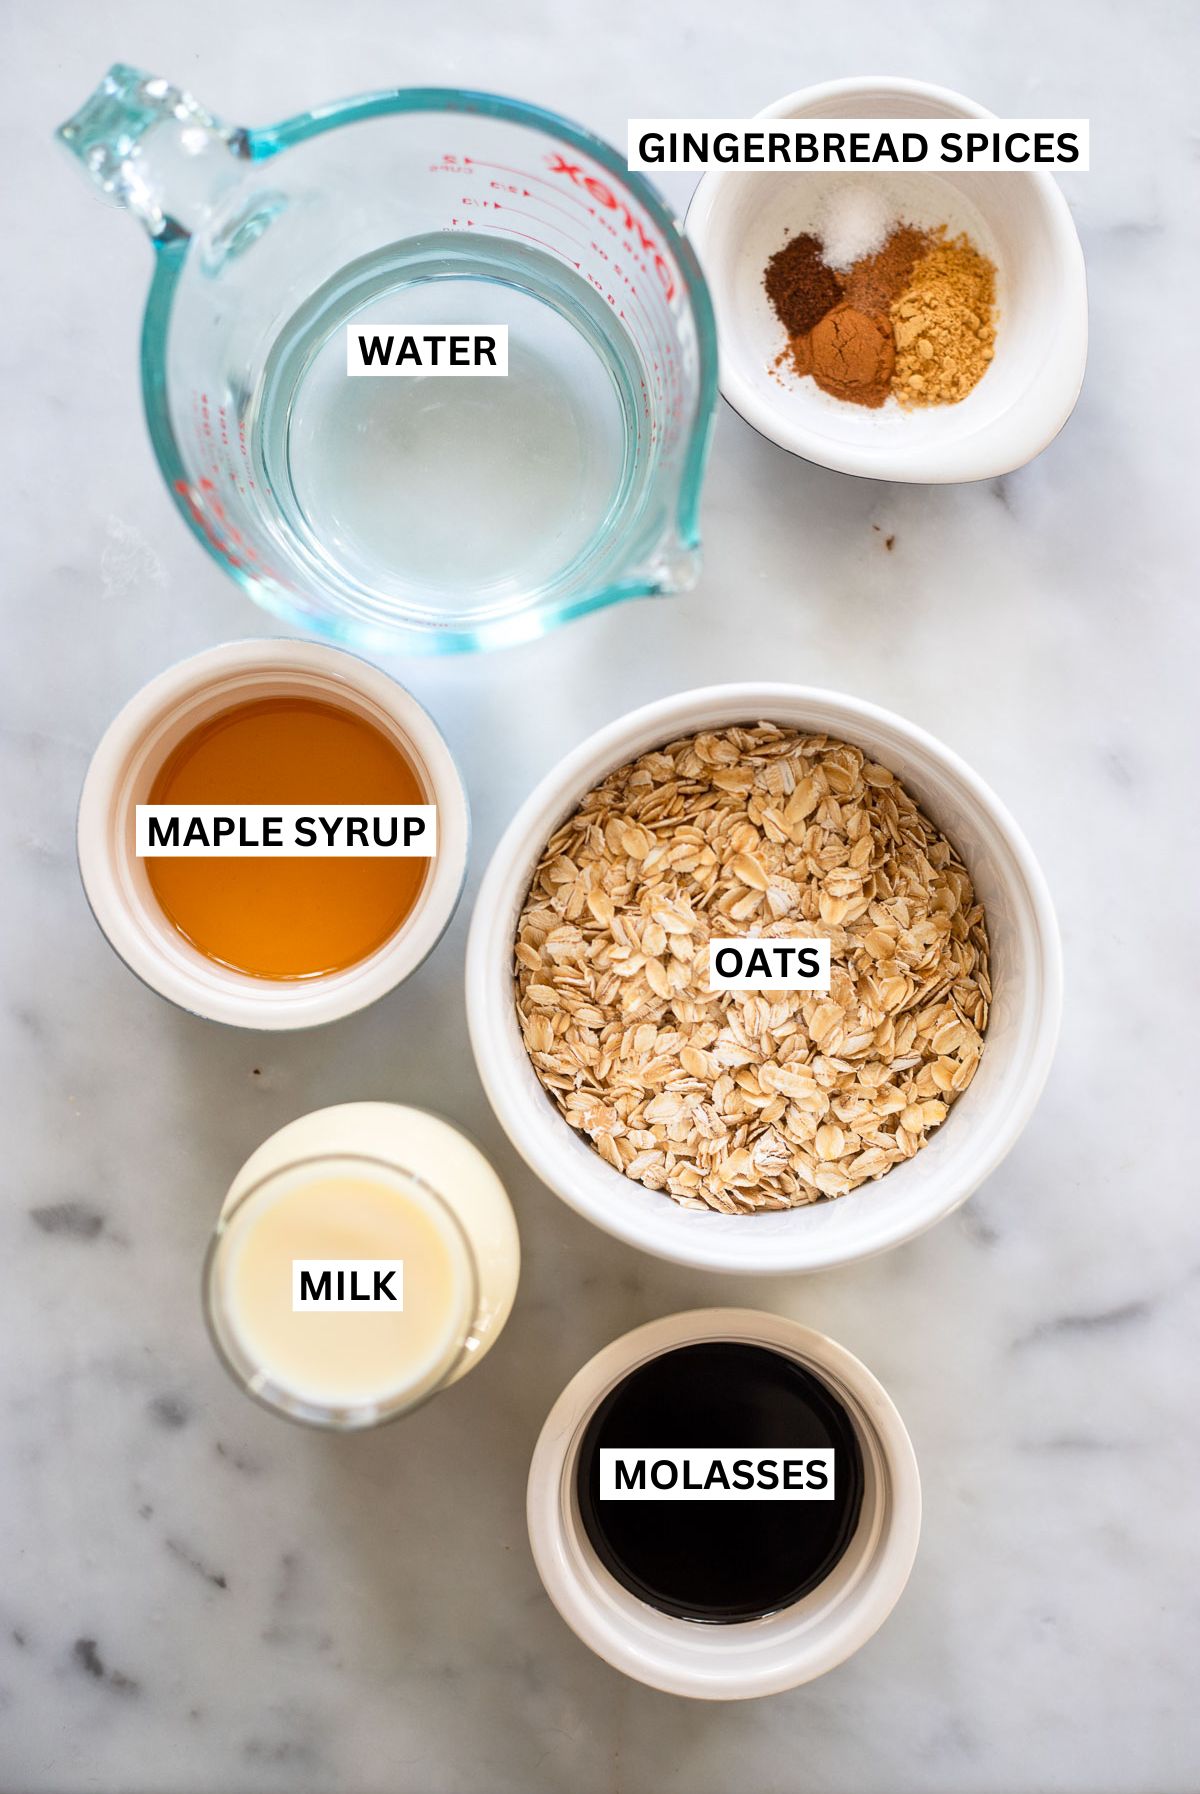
point(422, 513)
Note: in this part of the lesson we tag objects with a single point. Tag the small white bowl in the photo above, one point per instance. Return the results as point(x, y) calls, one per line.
point(755, 1657)
point(737, 220)
point(120, 777)
point(983, 1124)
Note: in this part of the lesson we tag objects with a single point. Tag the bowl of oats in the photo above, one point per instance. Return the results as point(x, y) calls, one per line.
point(736, 1127)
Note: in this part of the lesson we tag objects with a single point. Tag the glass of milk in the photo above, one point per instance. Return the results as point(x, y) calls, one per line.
point(365, 1257)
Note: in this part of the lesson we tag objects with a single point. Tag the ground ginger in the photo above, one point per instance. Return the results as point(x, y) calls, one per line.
point(944, 325)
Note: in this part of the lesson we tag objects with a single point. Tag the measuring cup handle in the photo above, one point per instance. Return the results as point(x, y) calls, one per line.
point(149, 147)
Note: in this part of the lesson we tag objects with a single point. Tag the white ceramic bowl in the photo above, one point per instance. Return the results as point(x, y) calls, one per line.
point(986, 1119)
point(738, 219)
point(122, 772)
point(756, 1657)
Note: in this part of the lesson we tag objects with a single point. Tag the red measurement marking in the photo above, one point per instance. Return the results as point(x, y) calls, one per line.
point(526, 174)
point(661, 267)
point(604, 196)
point(540, 241)
point(534, 219)
point(657, 264)
point(649, 330)
point(538, 200)
point(209, 515)
point(641, 327)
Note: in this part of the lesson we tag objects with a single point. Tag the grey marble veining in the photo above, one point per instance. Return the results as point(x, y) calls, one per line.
point(194, 1596)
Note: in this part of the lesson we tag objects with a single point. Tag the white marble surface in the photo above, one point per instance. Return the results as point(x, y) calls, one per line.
point(195, 1597)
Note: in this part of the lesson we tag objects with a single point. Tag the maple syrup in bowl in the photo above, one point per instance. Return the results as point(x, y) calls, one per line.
point(271, 942)
point(287, 918)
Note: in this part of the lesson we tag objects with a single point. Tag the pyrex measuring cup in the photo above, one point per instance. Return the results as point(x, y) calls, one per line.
point(413, 513)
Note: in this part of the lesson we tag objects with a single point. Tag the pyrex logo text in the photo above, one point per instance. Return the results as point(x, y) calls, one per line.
point(604, 196)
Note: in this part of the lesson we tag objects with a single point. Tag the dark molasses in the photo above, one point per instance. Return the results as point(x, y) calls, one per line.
point(720, 1560)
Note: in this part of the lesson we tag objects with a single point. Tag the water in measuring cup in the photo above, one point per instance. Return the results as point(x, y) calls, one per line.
point(458, 497)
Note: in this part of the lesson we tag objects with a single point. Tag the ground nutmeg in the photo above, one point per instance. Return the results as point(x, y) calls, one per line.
point(800, 286)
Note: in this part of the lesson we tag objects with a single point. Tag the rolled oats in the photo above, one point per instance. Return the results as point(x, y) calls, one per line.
point(748, 1100)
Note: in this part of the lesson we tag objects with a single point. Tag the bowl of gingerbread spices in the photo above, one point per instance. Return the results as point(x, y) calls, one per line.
point(735, 1127)
point(923, 327)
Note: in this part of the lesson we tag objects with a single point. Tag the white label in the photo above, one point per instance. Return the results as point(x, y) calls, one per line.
point(783, 1473)
point(750, 962)
point(443, 349)
point(347, 1285)
point(860, 143)
point(283, 831)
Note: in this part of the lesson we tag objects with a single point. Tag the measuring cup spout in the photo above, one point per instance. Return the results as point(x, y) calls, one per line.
point(149, 147)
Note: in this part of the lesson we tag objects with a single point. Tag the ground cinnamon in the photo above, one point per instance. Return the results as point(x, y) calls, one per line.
point(853, 354)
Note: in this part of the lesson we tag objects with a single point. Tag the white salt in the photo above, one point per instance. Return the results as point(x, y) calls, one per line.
point(855, 219)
